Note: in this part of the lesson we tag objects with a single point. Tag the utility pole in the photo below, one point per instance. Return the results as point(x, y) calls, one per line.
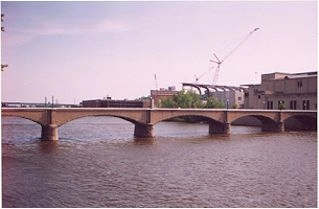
point(2, 30)
point(156, 83)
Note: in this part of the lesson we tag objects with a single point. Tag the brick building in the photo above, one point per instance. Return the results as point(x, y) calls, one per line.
point(283, 91)
point(159, 95)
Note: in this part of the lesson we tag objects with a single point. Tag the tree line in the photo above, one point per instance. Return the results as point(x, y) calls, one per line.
point(190, 99)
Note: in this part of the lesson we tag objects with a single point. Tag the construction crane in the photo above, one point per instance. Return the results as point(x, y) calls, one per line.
point(220, 61)
point(201, 75)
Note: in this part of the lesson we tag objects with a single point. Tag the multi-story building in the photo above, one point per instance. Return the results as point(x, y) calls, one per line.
point(283, 91)
point(232, 97)
point(159, 95)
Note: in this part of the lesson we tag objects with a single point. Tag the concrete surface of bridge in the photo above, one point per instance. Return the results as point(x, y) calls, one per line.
point(144, 119)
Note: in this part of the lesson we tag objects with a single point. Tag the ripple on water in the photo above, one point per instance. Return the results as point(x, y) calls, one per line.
point(95, 168)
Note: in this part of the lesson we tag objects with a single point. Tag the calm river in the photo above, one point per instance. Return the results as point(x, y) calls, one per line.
point(98, 163)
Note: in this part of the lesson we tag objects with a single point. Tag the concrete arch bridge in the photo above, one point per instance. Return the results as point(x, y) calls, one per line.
point(144, 119)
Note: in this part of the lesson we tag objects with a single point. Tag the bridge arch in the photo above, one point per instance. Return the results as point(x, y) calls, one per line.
point(26, 117)
point(267, 123)
point(16, 128)
point(35, 115)
point(260, 118)
point(145, 118)
point(69, 119)
point(63, 116)
point(142, 129)
point(188, 118)
point(301, 122)
point(97, 127)
point(205, 115)
point(214, 123)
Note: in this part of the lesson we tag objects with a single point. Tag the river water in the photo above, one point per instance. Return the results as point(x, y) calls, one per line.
point(98, 163)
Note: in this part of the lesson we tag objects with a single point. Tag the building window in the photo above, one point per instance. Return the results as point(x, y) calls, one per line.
point(305, 104)
point(269, 105)
point(299, 84)
point(239, 98)
point(293, 104)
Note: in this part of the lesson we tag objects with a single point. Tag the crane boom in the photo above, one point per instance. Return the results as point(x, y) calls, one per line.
point(240, 43)
point(220, 61)
point(201, 75)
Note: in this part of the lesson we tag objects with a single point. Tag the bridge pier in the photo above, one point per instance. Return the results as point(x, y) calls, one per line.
point(219, 128)
point(276, 127)
point(143, 130)
point(49, 132)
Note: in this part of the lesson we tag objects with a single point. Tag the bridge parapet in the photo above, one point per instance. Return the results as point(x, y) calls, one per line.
point(263, 115)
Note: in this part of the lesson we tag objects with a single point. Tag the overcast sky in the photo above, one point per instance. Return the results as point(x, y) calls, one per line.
point(88, 50)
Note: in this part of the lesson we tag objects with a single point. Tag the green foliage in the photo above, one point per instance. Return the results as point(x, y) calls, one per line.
point(187, 99)
point(214, 103)
point(190, 99)
point(169, 103)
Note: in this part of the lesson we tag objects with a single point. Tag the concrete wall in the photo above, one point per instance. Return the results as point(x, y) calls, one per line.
point(235, 98)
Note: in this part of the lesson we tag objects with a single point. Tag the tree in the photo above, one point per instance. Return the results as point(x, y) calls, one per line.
point(169, 103)
point(187, 99)
point(214, 103)
point(190, 99)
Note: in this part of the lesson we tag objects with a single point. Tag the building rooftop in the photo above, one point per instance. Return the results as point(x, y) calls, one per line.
point(280, 75)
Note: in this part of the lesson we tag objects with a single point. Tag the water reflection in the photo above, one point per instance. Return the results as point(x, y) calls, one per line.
point(144, 141)
point(48, 146)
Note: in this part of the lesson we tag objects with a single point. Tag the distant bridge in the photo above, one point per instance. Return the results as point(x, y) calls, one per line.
point(144, 119)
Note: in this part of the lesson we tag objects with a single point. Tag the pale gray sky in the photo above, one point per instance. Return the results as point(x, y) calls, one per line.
point(84, 50)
